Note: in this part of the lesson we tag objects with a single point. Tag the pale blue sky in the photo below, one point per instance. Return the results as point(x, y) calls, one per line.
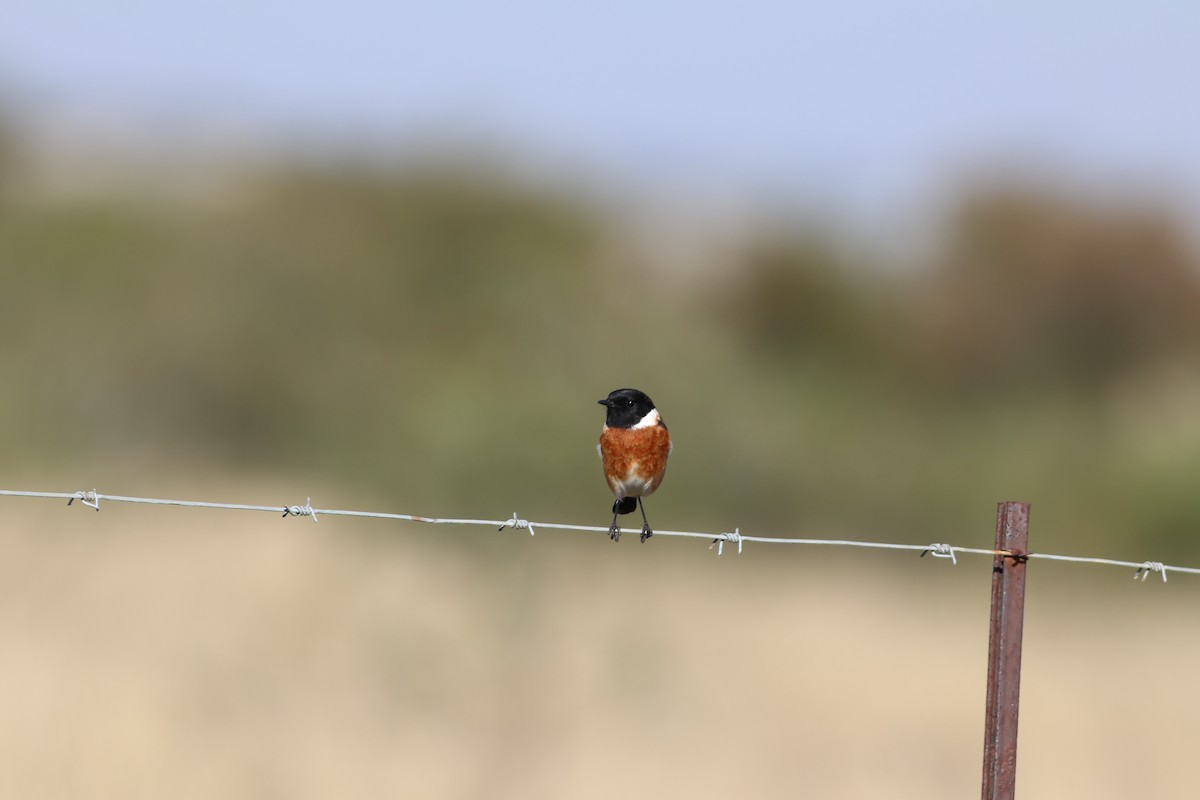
point(855, 99)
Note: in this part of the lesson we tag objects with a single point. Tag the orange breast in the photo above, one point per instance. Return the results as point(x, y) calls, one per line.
point(634, 459)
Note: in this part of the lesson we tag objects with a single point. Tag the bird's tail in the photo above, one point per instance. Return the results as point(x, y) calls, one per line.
point(625, 505)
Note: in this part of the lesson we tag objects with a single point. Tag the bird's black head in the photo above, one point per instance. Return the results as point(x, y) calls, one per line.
point(626, 408)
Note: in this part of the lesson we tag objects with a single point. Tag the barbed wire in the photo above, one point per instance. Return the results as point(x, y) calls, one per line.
point(92, 499)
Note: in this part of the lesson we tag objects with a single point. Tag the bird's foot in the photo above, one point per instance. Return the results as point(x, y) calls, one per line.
point(614, 532)
point(646, 533)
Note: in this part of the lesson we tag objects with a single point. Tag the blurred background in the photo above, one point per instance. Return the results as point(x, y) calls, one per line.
point(880, 268)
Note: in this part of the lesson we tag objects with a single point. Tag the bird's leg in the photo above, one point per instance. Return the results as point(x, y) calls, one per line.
point(614, 530)
point(646, 532)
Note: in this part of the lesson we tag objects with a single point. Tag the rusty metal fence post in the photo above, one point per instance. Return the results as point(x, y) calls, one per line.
point(1004, 652)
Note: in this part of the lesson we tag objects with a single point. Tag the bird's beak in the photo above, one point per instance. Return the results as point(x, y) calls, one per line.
point(604, 402)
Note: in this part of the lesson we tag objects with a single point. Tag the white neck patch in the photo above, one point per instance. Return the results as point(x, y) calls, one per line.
point(648, 421)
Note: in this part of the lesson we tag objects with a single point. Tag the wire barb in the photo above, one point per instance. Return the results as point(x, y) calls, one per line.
point(940, 550)
point(305, 510)
point(89, 499)
point(516, 523)
point(721, 539)
point(1151, 566)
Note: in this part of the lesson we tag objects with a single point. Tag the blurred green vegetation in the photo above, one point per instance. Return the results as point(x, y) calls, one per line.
point(433, 337)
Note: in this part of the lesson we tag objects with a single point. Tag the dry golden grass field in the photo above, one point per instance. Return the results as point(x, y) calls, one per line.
point(175, 653)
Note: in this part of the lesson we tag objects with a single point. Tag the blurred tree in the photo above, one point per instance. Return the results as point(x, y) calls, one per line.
point(798, 297)
point(8, 158)
point(1053, 289)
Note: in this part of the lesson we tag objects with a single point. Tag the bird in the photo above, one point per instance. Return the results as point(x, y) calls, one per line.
point(634, 447)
